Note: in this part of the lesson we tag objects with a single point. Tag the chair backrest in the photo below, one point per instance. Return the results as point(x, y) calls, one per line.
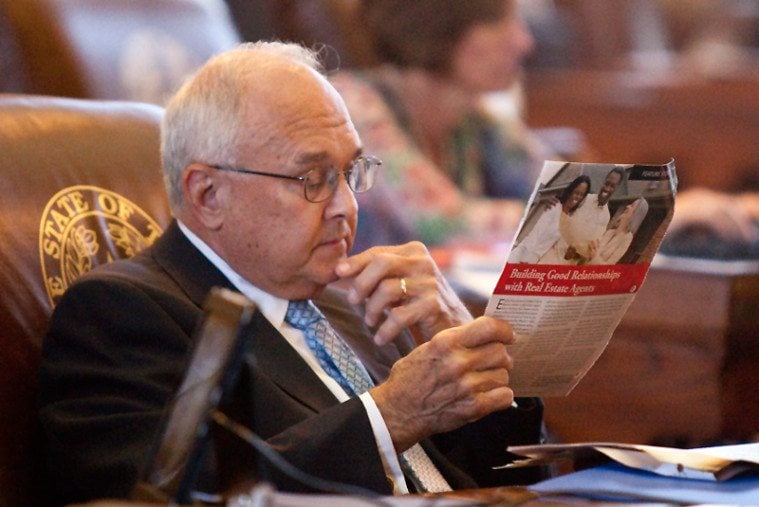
point(115, 49)
point(81, 185)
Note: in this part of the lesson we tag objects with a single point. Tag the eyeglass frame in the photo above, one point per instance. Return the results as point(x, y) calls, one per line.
point(374, 161)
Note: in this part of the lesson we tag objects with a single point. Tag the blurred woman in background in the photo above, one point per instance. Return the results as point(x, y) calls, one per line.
point(456, 169)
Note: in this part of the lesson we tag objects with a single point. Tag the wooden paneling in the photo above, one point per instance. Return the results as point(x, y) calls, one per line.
point(710, 127)
point(681, 367)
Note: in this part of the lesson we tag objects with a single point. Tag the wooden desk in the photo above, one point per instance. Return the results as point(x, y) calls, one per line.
point(710, 127)
point(681, 367)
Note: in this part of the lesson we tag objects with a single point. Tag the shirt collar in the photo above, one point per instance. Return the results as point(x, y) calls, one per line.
point(272, 307)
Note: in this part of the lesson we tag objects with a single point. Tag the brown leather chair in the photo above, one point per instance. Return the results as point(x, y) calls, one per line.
point(114, 49)
point(81, 185)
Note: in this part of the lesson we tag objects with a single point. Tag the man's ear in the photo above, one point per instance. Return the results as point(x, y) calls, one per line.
point(203, 194)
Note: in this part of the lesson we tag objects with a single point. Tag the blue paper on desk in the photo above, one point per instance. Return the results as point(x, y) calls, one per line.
point(613, 481)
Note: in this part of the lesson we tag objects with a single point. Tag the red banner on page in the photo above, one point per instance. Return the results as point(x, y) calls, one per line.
point(570, 281)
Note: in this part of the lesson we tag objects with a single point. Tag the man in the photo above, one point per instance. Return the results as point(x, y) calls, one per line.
point(590, 220)
point(250, 145)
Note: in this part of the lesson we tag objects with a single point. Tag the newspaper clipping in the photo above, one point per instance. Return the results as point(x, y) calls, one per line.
point(581, 253)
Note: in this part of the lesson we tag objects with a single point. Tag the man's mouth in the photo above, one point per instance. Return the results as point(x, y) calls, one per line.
point(332, 242)
point(340, 242)
point(339, 237)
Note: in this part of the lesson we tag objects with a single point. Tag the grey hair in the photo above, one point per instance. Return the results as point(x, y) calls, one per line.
point(202, 122)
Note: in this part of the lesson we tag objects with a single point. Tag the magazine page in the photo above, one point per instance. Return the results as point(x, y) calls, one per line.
point(581, 253)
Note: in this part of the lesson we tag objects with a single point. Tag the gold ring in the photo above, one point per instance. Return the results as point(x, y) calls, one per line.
point(404, 290)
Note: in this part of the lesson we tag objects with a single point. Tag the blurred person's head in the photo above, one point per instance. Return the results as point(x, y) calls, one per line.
point(573, 195)
point(479, 44)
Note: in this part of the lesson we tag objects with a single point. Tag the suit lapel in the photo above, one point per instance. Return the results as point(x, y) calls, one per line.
point(273, 355)
point(187, 266)
point(277, 360)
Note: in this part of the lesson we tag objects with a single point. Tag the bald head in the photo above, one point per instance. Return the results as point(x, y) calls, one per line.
point(240, 141)
point(280, 98)
point(237, 101)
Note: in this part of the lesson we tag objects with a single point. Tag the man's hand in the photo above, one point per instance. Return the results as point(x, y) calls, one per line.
point(459, 376)
point(403, 286)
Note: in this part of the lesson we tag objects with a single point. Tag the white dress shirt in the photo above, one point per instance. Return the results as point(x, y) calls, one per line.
point(274, 309)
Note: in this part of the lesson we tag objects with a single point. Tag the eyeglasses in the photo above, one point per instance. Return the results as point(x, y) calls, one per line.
point(319, 184)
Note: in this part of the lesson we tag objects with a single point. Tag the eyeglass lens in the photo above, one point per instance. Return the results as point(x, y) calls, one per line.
point(320, 185)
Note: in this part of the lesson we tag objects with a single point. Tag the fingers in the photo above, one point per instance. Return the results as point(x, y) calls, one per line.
point(443, 384)
point(473, 357)
point(481, 331)
point(489, 357)
point(375, 265)
point(483, 402)
point(401, 287)
point(482, 367)
point(401, 307)
point(492, 400)
point(479, 382)
point(395, 320)
point(390, 292)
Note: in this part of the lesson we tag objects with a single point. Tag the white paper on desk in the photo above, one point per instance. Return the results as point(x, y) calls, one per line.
point(564, 311)
point(705, 463)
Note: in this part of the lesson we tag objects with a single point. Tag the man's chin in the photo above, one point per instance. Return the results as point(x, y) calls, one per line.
point(326, 259)
point(325, 274)
point(332, 277)
point(313, 285)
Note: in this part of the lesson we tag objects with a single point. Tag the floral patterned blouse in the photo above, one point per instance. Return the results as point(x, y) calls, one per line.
point(478, 199)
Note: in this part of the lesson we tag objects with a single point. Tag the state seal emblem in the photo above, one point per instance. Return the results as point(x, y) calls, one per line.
point(84, 226)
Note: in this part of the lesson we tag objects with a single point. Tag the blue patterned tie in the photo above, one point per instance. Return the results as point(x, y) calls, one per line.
point(337, 359)
point(341, 363)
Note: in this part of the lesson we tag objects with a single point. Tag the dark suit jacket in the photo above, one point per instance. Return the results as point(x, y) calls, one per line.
point(117, 348)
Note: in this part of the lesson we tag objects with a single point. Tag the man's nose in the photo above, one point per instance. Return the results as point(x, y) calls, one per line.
point(343, 200)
